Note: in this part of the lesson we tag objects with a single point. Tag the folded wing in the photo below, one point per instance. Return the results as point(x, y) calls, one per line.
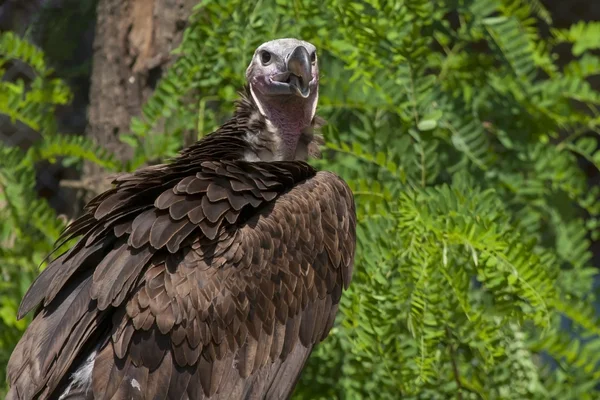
point(214, 284)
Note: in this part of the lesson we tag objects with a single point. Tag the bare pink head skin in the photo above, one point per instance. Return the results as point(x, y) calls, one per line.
point(284, 82)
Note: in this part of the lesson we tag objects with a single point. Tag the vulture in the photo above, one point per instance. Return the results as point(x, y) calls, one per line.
point(211, 276)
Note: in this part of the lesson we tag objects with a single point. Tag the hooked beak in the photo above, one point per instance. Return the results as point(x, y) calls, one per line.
point(299, 65)
point(295, 78)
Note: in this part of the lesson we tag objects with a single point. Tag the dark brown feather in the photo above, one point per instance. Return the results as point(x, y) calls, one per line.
point(159, 380)
point(140, 228)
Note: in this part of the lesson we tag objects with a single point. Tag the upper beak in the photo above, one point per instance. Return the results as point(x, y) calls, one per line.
point(298, 63)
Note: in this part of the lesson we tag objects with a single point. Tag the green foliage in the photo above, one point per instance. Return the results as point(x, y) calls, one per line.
point(583, 36)
point(460, 136)
point(33, 105)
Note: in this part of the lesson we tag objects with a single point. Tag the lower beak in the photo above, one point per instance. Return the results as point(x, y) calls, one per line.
point(299, 65)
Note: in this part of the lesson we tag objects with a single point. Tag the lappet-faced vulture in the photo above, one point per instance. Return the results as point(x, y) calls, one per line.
point(212, 276)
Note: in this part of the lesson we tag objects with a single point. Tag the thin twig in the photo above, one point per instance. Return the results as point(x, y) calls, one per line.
point(459, 395)
point(95, 184)
point(75, 184)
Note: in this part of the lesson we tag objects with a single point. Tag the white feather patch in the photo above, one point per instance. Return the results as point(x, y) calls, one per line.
point(135, 384)
point(82, 378)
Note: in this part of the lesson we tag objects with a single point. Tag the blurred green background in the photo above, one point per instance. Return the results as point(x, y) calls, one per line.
point(467, 129)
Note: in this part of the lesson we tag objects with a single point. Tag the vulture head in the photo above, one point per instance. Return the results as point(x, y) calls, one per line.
point(283, 77)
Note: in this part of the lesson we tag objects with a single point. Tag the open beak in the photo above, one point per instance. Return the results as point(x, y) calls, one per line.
point(300, 68)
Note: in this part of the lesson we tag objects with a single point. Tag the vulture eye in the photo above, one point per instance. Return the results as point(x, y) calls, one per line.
point(313, 57)
point(265, 57)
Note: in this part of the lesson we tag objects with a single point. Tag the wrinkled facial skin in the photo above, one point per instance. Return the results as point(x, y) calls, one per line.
point(284, 67)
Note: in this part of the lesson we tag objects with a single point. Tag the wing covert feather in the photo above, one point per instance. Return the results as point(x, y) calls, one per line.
point(219, 289)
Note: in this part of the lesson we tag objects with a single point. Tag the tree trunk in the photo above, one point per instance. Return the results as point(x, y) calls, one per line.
point(134, 39)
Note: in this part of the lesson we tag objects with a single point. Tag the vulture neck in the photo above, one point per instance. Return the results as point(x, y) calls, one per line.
point(252, 136)
point(289, 123)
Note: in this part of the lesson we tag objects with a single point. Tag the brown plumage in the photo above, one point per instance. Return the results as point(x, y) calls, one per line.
point(210, 277)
